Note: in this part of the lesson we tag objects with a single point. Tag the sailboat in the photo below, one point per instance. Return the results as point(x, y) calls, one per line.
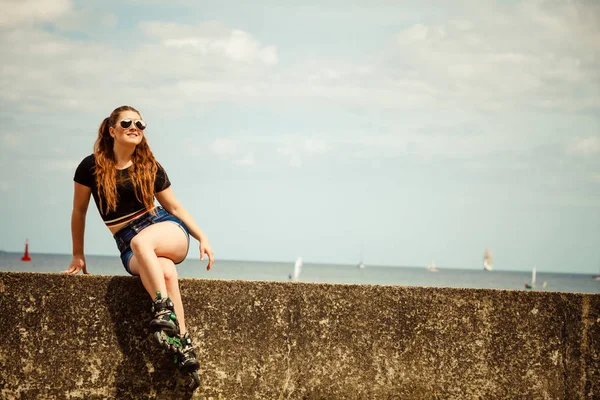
point(26, 257)
point(360, 263)
point(532, 284)
point(431, 267)
point(488, 260)
point(297, 270)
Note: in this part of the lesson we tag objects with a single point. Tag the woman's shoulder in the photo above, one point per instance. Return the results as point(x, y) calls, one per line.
point(85, 171)
point(88, 162)
point(91, 157)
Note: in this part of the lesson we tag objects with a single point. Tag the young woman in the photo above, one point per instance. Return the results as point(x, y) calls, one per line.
point(124, 178)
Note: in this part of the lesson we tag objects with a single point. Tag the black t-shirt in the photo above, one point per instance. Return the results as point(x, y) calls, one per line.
point(128, 206)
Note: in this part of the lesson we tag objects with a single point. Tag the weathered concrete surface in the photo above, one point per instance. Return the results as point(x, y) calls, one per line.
point(65, 337)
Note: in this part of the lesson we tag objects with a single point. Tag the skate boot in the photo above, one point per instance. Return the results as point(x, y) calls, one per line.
point(185, 355)
point(165, 325)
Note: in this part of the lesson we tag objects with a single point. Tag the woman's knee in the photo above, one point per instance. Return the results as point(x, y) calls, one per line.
point(138, 244)
point(169, 269)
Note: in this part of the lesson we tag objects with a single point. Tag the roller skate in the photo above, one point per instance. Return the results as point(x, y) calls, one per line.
point(165, 325)
point(185, 357)
point(166, 332)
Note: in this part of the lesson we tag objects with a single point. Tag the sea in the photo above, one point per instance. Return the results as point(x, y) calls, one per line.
point(323, 273)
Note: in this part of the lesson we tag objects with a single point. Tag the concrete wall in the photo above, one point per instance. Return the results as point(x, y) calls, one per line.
point(65, 337)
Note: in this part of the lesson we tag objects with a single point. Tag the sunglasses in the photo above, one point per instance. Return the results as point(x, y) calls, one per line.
point(139, 124)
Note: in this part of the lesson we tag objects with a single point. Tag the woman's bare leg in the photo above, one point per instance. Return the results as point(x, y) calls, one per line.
point(166, 240)
point(172, 284)
point(154, 251)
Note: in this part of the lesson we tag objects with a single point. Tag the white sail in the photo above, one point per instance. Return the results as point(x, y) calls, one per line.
point(488, 260)
point(533, 277)
point(297, 269)
point(360, 264)
point(431, 267)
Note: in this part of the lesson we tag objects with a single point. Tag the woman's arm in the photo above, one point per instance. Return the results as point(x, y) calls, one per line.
point(81, 200)
point(167, 199)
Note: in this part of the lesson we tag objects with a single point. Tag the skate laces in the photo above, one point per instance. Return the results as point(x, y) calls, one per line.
point(163, 306)
point(185, 355)
point(187, 347)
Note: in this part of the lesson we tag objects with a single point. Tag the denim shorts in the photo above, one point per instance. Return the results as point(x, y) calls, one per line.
point(123, 236)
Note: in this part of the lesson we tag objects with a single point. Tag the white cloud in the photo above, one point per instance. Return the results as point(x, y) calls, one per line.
point(584, 147)
point(109, 20)
point(295, 149)
point(235, 150)
point(246, 161)
point(44, 70)
point(506, 63)
point(291, 156)
point(212, 39)
point(316, 146)
point(15, 13)
point(507, 57)
point(11, 140)
point(268, 55)
point(456, 142)
point(226, 147)
point(60, 165)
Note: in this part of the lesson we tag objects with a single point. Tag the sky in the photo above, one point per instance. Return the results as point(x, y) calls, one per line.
point(396, 131)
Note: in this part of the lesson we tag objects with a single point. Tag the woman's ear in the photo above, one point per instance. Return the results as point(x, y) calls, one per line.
point(111, 131)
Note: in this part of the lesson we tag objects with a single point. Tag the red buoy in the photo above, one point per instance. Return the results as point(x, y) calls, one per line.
point(26, 255)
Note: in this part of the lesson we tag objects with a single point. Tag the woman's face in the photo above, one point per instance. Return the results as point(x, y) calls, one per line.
point(132, 135)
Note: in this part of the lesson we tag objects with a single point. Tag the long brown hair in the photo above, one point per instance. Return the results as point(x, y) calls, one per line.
point(142, 171)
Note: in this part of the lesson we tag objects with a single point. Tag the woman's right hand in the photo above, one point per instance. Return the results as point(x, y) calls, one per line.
point(77, 264)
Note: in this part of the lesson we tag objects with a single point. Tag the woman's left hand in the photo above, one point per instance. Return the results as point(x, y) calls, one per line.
point(206, 249)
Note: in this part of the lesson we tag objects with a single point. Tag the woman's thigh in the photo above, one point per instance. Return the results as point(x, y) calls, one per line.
point(167, 239)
